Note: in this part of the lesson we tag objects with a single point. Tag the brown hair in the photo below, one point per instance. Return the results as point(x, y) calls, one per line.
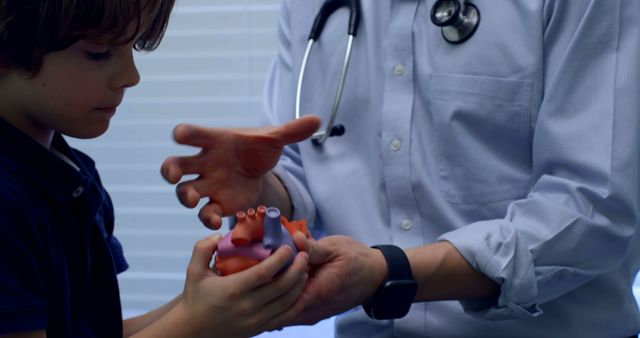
point(29, 29)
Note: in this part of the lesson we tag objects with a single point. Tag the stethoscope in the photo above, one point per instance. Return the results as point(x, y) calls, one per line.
point(458, 20)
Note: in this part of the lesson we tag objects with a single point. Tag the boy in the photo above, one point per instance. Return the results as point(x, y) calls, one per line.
point(64, 68)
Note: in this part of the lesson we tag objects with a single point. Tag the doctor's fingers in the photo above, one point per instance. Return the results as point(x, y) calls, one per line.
point(197, 136)
point(319, 252)
point(290, 132)
point(296, 130)
point(190, 192)
point(174, 167)
point(211, 215)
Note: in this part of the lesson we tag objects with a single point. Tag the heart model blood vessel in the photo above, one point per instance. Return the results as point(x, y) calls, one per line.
point(254, 236)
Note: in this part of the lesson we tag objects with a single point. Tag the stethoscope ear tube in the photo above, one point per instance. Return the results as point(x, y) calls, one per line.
point(331, 6)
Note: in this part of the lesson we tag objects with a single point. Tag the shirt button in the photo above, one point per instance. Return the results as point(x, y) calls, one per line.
point(78, 191)
point(399, 69)
point(395, 145)
point(406, 225)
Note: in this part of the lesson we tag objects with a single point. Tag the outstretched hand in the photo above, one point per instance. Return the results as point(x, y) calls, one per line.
point(230, 165)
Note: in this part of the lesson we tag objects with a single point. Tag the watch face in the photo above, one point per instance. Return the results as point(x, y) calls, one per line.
point(395, 299)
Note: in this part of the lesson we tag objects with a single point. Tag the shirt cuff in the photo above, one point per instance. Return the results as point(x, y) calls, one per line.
point(303, 206)
point(495, 249)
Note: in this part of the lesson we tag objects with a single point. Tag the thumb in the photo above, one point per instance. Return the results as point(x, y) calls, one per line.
point(296, 130)
point(319, 252)
point(202, 254)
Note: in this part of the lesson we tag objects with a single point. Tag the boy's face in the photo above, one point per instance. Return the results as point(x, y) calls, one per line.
point(76, 92)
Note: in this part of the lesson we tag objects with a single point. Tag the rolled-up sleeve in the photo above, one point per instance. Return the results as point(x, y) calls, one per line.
point(580, 217)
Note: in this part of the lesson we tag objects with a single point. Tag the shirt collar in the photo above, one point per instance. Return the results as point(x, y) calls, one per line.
point(56, 177)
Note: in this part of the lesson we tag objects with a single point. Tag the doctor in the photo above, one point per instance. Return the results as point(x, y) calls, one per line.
point(497, 177)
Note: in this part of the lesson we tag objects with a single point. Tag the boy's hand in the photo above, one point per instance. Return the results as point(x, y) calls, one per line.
point(243, 304)
point(231, 164)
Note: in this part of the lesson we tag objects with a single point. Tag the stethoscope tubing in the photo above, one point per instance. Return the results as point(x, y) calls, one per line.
point(321, 136)
point(325, 12)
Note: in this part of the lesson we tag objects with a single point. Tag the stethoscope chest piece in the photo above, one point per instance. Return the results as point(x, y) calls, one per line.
point(458, 21)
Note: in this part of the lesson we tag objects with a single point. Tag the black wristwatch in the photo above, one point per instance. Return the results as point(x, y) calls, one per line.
point(395, 296)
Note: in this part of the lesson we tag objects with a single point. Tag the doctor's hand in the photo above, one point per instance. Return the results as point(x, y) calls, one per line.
point(344, 274)
point(231, 165)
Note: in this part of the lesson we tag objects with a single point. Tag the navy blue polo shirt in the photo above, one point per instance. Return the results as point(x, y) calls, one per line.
point(58, 255)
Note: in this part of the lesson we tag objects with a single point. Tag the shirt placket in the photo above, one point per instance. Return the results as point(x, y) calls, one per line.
point(405, 221)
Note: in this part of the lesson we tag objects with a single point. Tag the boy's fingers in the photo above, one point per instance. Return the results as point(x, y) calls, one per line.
point(291, 316)
point(286, 280)
point(286, 308)
point(202, 254)
point(266, 270)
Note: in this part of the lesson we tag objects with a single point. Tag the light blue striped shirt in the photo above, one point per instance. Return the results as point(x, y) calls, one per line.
point(521, 147)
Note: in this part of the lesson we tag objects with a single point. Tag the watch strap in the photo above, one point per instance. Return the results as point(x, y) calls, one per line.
point(397, 262)
point(395, 296)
